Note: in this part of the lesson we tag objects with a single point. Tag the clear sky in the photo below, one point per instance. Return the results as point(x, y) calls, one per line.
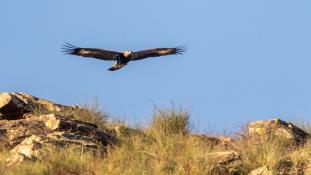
point(246, 60)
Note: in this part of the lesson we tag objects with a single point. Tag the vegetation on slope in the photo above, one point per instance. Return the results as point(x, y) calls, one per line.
point(166, 146)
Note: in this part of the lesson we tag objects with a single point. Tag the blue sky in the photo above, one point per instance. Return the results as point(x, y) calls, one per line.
point(246, 60)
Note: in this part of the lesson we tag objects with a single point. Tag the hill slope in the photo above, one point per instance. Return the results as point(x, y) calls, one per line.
point(41, 137)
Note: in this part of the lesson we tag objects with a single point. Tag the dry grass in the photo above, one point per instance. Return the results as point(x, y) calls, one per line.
point(68, 161)
point(3, 156)
point(259, 152)
point(268, 150)
point(165, 147)
point(170, 121)
point(302, 157)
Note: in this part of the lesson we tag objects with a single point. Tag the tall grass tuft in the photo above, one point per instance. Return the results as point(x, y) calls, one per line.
point(170, 121)
point(302, 158)
point(262, 151)
point(165, 148)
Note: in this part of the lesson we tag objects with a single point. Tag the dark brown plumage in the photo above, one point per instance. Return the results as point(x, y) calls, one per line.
point(122, 58)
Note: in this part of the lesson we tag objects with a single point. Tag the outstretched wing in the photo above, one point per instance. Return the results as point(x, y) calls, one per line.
point(90, 52)
point(157, 52)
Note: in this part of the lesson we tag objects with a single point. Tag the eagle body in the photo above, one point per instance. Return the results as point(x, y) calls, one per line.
point(121, 58)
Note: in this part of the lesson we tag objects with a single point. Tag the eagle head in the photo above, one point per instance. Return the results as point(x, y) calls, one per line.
point(127, 53)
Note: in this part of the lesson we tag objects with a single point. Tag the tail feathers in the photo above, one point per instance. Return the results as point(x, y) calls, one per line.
point(116, 67)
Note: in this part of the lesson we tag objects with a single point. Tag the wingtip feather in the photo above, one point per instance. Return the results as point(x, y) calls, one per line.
point(180, 49)
point(69, 48)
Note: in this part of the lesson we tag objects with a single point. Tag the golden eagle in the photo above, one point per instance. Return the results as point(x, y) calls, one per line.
point(121, 58)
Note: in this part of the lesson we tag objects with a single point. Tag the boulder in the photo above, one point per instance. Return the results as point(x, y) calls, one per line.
point(29, 149)
point(14, 105)
point(278, 128)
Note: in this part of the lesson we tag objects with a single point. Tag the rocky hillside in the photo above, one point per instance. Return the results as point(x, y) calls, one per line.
point(27, 134)
point(38, 136)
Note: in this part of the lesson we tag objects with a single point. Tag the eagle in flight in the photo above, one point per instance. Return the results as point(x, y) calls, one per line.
point(121, 58)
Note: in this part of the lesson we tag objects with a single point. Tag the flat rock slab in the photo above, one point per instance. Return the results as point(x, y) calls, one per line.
point(75, 128)
point(13, 132)
point(59, 123)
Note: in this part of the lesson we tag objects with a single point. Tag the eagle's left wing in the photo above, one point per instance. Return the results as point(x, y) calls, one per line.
point(91, 52)
point(157, 52)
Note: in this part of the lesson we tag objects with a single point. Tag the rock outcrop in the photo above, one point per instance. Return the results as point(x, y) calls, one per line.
point(15, 105)
point(286, 131)
point(28, 135)
point(278, 129)
point(227, 162)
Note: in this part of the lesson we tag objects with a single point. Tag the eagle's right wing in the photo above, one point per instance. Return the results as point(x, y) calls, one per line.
point(156, 52)
point(91, 52)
